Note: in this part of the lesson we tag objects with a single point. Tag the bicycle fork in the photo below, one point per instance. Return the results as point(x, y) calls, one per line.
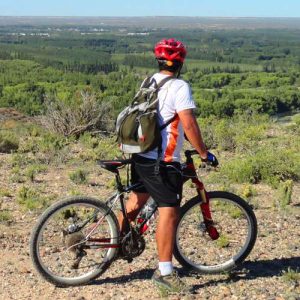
point(205, 209)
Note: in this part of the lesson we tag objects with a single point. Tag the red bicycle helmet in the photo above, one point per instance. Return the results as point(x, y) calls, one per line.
point(170, 50)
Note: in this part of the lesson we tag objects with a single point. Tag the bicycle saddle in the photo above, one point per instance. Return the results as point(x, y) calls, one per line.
point(113, 165)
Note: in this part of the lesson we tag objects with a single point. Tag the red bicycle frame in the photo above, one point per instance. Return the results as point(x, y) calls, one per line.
point(189, 172)
point(204, 200)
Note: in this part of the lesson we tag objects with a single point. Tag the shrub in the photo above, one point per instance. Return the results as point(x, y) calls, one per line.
point(34, 130)
point(33, 170)
point(47, 147)
point(27, 97)
point(16, 175)
point(107, 149)
point(86, 113)
point(224, 135)
point(79, 176)
point(88, 140)
point(223, 241)
point(104, 148)
point(294, 126)
point(50, 142)
point(291, 275)
point(207, 126)
point(18, 160)
point(247, 137)
point(5, 193)
point(31, 199)
point(5, 216)
point(74, 192)
point(285, 193)
point(267, 164)
point(36, 139)
point(296, 119)
point(248, 192)
point(240, 133)
point(8, 142)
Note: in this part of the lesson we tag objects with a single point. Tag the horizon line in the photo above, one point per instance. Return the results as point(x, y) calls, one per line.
point(151, 16)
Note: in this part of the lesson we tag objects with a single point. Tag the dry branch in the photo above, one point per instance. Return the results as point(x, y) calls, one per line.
point(89, 115)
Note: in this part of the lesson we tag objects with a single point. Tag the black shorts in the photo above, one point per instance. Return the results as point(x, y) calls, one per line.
point(165, 188)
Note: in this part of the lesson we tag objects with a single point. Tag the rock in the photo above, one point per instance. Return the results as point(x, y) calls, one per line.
point(24, 270)
point(225, 291)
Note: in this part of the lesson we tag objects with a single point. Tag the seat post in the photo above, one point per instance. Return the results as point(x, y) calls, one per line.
point(119, 181)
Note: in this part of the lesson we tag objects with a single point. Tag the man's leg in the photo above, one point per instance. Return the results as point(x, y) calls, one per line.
point(134, 204)
point(165, 237)
point(164, 277)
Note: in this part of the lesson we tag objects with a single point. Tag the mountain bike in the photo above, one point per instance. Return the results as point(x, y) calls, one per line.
point(76, 239)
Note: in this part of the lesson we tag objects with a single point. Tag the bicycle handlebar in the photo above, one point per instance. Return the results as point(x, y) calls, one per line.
point(189, 153)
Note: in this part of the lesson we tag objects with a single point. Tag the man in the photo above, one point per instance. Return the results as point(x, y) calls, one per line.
point(175, 101)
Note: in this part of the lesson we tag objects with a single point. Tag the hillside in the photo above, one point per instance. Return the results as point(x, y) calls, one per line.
point(39, 173)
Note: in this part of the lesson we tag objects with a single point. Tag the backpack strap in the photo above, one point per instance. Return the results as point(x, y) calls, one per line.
point(147, 82)
point(159, 150)
point(168, 122)
point(164, 81)
point(175, 116)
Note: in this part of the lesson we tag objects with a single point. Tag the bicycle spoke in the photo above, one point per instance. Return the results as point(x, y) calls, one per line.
point(61, 252)
point(197, 249)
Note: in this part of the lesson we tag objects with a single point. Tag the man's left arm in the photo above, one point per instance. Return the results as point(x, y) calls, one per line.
point(192, 131)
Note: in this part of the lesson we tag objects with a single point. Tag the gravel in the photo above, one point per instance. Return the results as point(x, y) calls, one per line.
point(260, 277)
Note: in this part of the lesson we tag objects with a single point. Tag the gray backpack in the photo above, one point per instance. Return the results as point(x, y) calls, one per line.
point(137, 125)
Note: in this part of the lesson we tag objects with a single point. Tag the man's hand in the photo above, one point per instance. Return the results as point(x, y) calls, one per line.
point(211, 159)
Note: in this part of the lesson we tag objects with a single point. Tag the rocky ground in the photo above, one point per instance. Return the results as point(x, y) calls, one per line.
point(261, 277)
point(266, 274)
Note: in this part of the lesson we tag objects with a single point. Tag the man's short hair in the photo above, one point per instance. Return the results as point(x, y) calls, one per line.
point(171, 66)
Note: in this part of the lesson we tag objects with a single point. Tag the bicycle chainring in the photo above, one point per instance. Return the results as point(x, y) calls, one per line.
point(133, 245)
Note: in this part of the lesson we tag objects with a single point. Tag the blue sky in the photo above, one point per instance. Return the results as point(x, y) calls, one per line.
point(226, 8)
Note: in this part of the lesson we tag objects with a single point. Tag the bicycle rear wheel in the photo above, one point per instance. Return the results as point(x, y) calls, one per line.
point(60, 249)
point(237, 227)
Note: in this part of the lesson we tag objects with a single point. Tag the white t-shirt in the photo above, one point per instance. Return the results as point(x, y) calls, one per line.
point(174, 96)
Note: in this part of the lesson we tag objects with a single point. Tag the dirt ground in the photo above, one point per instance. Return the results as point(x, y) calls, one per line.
point(260, 277)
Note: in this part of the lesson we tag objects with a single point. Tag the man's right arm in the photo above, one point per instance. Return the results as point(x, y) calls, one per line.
point(192, 131)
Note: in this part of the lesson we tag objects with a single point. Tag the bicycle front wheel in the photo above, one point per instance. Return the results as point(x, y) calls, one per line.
point(62, 247)
point(237, 228)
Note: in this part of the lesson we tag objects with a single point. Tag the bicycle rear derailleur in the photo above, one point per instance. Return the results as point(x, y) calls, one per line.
point(73, 243)
point(132, 245)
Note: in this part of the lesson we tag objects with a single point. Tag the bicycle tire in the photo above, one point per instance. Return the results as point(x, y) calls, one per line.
point(218, 258)
point(37, 239)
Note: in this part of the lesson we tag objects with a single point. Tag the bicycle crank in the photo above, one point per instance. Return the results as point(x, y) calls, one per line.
point(132, 246)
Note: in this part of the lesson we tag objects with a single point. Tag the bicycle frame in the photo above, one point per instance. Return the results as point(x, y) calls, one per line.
point(188, 172)
point(203, 196)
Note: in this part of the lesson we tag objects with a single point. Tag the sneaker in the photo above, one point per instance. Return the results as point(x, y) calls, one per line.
point(170, 283)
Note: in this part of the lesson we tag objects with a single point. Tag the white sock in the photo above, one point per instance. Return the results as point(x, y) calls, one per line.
point(165, 268)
